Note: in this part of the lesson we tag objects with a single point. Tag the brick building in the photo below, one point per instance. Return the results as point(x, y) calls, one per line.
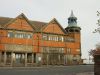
point(24, 42)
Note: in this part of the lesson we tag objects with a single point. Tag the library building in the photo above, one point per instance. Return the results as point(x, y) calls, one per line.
point(24, 42)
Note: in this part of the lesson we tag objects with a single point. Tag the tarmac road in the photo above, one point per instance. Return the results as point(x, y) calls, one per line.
point(50, 70)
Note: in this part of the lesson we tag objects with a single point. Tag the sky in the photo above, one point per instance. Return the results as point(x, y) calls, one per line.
point(46, 10)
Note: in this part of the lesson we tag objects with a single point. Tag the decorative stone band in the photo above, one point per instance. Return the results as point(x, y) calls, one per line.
point(18, 48)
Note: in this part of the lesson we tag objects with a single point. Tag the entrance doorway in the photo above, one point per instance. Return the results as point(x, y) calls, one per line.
point(19, 58)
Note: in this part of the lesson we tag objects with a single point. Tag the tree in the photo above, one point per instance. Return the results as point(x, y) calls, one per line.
point(98, 23)
point(92, 52)
point(98, 29)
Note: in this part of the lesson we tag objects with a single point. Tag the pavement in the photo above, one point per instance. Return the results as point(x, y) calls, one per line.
point(86, 73)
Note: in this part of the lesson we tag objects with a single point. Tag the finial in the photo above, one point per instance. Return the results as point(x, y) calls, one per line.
point(72, 15)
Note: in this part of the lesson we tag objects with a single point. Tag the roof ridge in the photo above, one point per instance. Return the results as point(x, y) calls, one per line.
point(37, 21)
point(6, 17)
point(54, 19)
point(29, 19)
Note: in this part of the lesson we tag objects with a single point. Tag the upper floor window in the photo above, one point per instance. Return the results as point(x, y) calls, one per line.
point(44, 37)
point(49, 37)
point(61, 38)
point(78, 50)
point(29, 36)
point(19, 35)
point(69, 39)
point(53, 37)
point(10, 34)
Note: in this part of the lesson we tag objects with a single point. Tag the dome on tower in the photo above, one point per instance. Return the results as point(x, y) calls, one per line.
point(72, 20)
point(72, 24)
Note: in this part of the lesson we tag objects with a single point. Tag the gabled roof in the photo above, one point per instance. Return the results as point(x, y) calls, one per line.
point(4, 20)
point(19, 16)
point(55, 21)
point(37, 25)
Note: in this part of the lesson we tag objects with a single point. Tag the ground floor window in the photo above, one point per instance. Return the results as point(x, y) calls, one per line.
point(29, 57)
point(53, 59)
point(19, 58)
point(16, 58)
point(8, 57)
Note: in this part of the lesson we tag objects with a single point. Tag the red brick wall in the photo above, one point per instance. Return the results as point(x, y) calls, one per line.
point(20, 24)
point(53, 28)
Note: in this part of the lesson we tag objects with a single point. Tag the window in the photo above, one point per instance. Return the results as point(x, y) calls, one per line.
point(56, 38)
point(69, 39)
point(53, 37)
point(77, 50)
point(19, 35)
point(69, 50)
point(53, 50)
point(61, 38)
point(45, 49)
point(62, 50)
point(10, 34)
point(44, 37)
point(49, 38)
point(29, 36)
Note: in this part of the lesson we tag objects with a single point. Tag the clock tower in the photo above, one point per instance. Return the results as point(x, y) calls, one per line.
point(74, 32)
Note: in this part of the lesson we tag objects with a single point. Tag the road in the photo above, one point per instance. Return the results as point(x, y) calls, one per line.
point(51, 70)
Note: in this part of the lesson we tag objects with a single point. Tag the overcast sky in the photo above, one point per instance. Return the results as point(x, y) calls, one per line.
point(45, 10)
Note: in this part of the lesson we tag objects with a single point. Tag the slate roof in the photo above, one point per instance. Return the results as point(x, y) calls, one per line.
point(4, 20)
point(37, 24)
point(55, 21)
